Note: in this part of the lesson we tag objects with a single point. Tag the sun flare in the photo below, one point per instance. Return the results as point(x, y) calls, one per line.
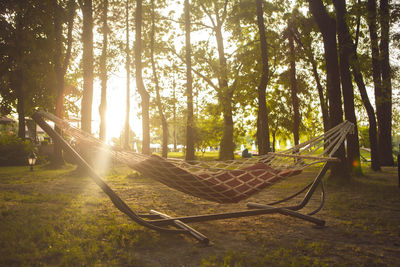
point(116, 109)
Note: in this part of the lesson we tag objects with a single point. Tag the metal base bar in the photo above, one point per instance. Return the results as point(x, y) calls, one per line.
point(190, 231)
point(246, 213)
point(288, 212)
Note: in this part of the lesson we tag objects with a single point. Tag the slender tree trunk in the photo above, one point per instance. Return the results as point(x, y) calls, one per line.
point(327, 26)
point(18, 75)
point(322, 99)
point(164, 124)
point(174, 116)
point(57, 159)
point(104, 74)
point(225, 96)
point(385, 119)
point(20, 104)
point(61, 63)
point(293, 86)
point(189, 88)
point(320, 89)
point(358, 78)
point(373, 134)
point(139, 80)
point(128, 77)
point(273, 141)
point(87, 58)
point(262, 116)
point(345, 50)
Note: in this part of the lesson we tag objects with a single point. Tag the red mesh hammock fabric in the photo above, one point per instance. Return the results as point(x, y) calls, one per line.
point(222, 186)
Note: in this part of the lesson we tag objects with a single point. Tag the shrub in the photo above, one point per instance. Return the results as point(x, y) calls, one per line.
point(13, 150)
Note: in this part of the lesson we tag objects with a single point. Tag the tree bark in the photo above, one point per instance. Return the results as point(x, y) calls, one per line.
point(174, 116)
point(322, 99)
point(139, 80)
point(104, 74)
point(189, 89)
point(226, 95)
point(293, 86)
point(18, 75)
point(327, 26)
point(61, 63)
point(128, 77)
point(373, 134)
point(345, 50)
point(358, 78)
point(385, 114)
point(87, 58)
point(57, 159)
point(164, 123)
point(262, 116)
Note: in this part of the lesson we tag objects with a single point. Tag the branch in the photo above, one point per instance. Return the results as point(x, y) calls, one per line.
point(81, 4)
point(208, 14)
point(225, 11)
point(191, 23)
point(69, 34)
point(207, 80)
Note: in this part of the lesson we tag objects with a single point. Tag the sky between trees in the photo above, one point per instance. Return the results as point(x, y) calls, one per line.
point(315, 61)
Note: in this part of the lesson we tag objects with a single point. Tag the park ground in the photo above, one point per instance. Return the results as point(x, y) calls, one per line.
point(60, 217)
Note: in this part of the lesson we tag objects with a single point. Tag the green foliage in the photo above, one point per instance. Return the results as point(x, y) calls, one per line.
point(13, 150)
point(363, 132)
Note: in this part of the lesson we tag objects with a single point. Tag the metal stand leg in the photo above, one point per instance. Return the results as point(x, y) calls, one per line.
point(197, 235)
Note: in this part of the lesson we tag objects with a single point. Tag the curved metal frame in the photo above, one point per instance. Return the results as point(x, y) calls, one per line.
point(160, 222)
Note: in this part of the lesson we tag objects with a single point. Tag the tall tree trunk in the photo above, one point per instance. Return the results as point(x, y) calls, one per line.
point(322, 99)
point(377, 78)
point(164, 124)
point(358, 78)
point(189, 88)
point(18, 75)
point(104, 74)
point(373, 134)
point(293, 86)
point(87, 58)
point(327, 27)
point(385, 114)
point(225, 97)
point(128, 77)
point(224, 92)
point(262, 116)
point(345, 50)
point(139, 80)
point(57, 159)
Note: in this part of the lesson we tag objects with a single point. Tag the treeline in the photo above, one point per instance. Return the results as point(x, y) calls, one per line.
point(209, 73)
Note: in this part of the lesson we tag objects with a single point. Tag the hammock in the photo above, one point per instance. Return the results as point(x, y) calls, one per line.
point(218, 181)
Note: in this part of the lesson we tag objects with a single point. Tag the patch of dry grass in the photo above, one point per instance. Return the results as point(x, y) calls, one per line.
point(59, 217)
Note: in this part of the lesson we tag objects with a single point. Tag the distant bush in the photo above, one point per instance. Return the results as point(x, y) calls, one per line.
point(363, 132)
point(13, 150)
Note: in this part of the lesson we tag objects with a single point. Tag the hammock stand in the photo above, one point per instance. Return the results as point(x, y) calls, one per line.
point(161, 222)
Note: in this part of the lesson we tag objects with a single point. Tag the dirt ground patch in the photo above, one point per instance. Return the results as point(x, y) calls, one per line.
point(61, 218)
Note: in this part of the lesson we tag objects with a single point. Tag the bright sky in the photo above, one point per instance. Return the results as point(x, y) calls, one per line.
point(116, 107)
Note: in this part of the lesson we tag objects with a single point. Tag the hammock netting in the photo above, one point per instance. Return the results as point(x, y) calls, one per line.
point(221, 181)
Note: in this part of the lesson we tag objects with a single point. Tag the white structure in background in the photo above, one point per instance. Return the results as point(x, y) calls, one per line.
point(156, 147)
point(253, 147)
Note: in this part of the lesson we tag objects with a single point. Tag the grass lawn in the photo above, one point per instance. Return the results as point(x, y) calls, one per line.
point(60, 217)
